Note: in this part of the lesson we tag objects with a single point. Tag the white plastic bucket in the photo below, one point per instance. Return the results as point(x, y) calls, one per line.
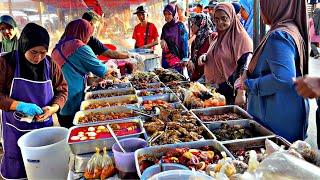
point(45, 153)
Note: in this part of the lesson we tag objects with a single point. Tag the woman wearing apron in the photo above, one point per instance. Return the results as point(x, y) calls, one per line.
point(31, 84)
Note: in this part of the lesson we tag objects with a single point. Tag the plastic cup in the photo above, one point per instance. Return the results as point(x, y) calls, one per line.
point(155, 169)
point(125, 162)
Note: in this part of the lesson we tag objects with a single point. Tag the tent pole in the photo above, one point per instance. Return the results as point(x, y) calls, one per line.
point(256, 19)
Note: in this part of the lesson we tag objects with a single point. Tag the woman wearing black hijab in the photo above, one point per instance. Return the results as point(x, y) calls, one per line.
point(31, 84)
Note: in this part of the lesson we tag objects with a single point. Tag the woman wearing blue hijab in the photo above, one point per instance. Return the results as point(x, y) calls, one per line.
point(246, 12)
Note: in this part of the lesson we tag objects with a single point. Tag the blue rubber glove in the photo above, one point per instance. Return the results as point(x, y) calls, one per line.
point(29, 109)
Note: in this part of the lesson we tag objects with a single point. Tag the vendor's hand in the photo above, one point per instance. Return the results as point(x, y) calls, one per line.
point(191, 66)
point(111, 72)
point(163, 45)
point(202, 59)
point(29, 108)
point(48, 111)
point(240, 98)
point(308, 87)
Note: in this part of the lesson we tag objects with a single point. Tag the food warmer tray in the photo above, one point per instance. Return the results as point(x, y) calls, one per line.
point(116, 99)
point(255, 142)
point(128, 91)
point(80, 161)
point(119, 86)
point(159, 151)
point(106, 110)
point(183, 83)
point(259, 130)
point(221, 110)
point(170, 98)
point(178, 105)
point(163, 89)
point(89, 146)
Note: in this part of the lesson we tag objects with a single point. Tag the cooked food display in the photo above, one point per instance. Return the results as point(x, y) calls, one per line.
point(144, 78)
point(197, 159)
point(144, 85)
point(148, 105)
point(168, 75)
point(105, 95)
point(243, 154)
point(172, 127)
point(86, 133)
point(98, 117)
point(219, 117)
point(231, 132)
point(175, 85)
point(151, 93)
point(107, 104)
point(102, 85)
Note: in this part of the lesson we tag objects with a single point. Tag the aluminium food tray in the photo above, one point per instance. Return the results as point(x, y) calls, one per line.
point(115, 109)
point(127, 91)
point(222, 110)
point(119, 99)
point(170, 98)
point(150, 86)
point(119, 86)
point(159, 151)
point(258, 129)
point(89, 146)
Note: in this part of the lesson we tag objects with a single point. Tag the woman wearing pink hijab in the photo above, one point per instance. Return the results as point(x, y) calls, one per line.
point(76, 59)
point(227, 55)
point(281, 56)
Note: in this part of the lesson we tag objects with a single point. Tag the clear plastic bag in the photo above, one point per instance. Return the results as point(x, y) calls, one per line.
point(305, 149)
point(94, 168)
point(108, 169)
point(282, 165)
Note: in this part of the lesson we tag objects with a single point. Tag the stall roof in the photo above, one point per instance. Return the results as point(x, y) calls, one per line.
point(89, 3)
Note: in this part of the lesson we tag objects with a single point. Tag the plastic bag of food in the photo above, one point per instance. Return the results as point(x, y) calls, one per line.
point(282, 165)
point(93, 169)
point(305, 149)
point(108, 169)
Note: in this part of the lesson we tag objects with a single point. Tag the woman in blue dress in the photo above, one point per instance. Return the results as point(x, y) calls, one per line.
point(281, 56)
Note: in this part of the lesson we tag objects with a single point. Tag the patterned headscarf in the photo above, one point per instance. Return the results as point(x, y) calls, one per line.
point(248, 25)
point(205, 26)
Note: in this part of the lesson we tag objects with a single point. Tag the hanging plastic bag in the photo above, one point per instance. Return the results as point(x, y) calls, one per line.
point(108, 169)
point(94, 168)
point(271, 147)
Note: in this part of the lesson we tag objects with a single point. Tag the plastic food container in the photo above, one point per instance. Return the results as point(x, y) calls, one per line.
point(155, 169)
point(181, 174)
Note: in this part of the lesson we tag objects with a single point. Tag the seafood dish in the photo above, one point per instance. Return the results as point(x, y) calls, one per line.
point(168, 75)
point(106, 85)
point(220, 117)
point(172, 127)
point(143, 78)
point(108, 104)
point(110, 94)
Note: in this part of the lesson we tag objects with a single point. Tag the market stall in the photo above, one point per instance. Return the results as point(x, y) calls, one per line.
point(183, 123)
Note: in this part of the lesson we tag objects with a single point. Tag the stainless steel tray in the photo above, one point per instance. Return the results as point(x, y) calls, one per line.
point(222, 110)
point(177, 84)
point(159, 151)
point(88, 146)
point(119, 99)
point(150, 86)
point(119, 86)
point(170, 98)
point(257, 129)
point(256, 142)
point(80, 161)
point(125, 91)
point(107, 110)
point(165, 90)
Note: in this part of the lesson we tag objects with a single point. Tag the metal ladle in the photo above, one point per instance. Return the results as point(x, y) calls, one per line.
point(115, 138)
